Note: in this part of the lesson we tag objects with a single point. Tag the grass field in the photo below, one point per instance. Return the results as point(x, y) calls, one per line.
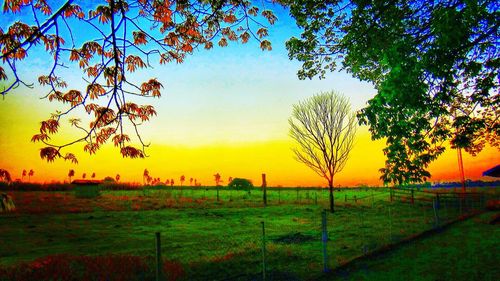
point(212, 239)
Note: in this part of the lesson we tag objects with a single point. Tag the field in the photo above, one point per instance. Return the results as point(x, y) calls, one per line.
point(206, 239)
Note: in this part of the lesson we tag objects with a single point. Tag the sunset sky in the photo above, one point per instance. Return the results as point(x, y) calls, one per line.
point(223, 110)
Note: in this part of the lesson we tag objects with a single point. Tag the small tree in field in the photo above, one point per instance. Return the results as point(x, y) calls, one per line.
point(217, 179)
point(182, 179)
point(23, 174)
point(71, 174)
point(324, 128)
point(30, 174)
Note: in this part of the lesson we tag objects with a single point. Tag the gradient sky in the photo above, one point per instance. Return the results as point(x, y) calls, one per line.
point(223, 110)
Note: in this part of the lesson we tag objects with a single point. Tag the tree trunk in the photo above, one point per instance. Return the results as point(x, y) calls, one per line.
point(330, 184)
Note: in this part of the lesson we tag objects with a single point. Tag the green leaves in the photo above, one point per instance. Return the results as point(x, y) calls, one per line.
point(434, 64)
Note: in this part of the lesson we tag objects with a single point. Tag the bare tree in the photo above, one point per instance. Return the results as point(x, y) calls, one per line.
point(324, 128)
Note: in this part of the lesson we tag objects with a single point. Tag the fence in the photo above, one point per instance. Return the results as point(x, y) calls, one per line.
point(303, 248)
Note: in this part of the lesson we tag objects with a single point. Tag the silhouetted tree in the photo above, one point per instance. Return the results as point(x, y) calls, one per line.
point(171, 182)
point(93, 175)
point(30, 174)
point(229, 180)
point(23, 174)
point(117, 177)
point(167, 182)
point(324, 128)
point(182, 179)
point(217, 179)
point(71, 173)
point(241, 183)
point(145, 176)
point(84, 175)
point(5, 176)
point(126, 35)
point(191, 181)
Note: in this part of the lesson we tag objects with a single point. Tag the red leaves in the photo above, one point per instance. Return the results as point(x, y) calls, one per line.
point(231, 18)
point(133, 62)
point(139, 38)
point(132, 152)
point(50, 126)
point(40, 137)
point(95, 90)
point(74, 11)
point(152, 87)
point(49, 153)
point(91, 148)
point(262, 32)
point(268, 14)
point(3, 76)
point(120, 139)
point(265, 45)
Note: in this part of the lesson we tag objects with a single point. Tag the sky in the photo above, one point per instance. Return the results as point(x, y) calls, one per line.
point(222, 111)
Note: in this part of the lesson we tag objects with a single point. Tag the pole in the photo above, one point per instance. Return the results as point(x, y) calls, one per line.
point(324, 239)
point(158, 257)
point(264, 185)
point(263, 251)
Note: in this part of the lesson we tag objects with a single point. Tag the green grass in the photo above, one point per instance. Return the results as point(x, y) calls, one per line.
point(223, 240)
point(468, 250)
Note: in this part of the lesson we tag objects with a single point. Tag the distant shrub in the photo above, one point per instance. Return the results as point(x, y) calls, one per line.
point(240, 183)
point(87, 191)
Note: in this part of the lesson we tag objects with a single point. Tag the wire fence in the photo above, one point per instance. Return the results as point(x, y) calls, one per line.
point(305, 248)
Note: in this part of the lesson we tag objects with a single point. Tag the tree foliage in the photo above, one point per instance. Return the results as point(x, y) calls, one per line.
point(240, 183)
point(435, 65)
point(125, 36)
point(324, 128)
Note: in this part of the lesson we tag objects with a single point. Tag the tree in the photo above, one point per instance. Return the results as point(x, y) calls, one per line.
point(324, 127)
point(217, 179)
point(240, 183)
point(30, 174)
point(145, 176)
point(229, 180)
point(84, 175)
point(71, 174)
point(23, 174)
point(182, 179)
point(191, 181)
point(5, 176)
point(435, 65)
point(126, 36)
point(117, 177)
point(93, 175)
point(171, 182)
point(167, 182)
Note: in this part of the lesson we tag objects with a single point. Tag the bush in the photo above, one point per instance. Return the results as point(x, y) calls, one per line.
point(240, 183)
point(87, 191)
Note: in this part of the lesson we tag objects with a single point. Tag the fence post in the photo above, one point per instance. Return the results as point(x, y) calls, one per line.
point(355, 199)
point(158, 257)
point(436, 215)
point(438, 202)
point(390, 224)
point(390, 192)
point(298, 195)
point(264, 185)
point(412, 197)
point(217, 187)
point(263, 251)
point(324, 239)
point(345, 197)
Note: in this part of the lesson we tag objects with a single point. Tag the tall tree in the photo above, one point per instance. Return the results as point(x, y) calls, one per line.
point(84, 175)
point(117, 178)
point(23, 174)
point(121, 37)
point(30, 174)
point(5, 176)
point(324, 128)
point(71, 174)
point(145, 176)
point(217, 179)
point(435, 65)
point(182, 179)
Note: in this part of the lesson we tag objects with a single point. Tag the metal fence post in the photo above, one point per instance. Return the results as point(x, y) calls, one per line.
point(324, 239)
point(263, 251)
point(158, 257)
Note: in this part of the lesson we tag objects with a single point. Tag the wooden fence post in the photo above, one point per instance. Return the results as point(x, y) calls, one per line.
point(158, 257)
point(264, 185)
point(263, 252)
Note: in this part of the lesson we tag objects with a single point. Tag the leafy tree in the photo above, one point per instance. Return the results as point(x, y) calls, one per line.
point(191, 181)
point(217, 179)
point(108, 179)
point(24, 173)
point(84, 175)
point(127, 35)
point(5, 176)
point(71, 174)
point(117, 178)
point(324, 128)
point(93, 175)
point(182, 179)
point(145, 176)
point(435, 65)
point(30, 174)
point(240, 183)
point(172, 182)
